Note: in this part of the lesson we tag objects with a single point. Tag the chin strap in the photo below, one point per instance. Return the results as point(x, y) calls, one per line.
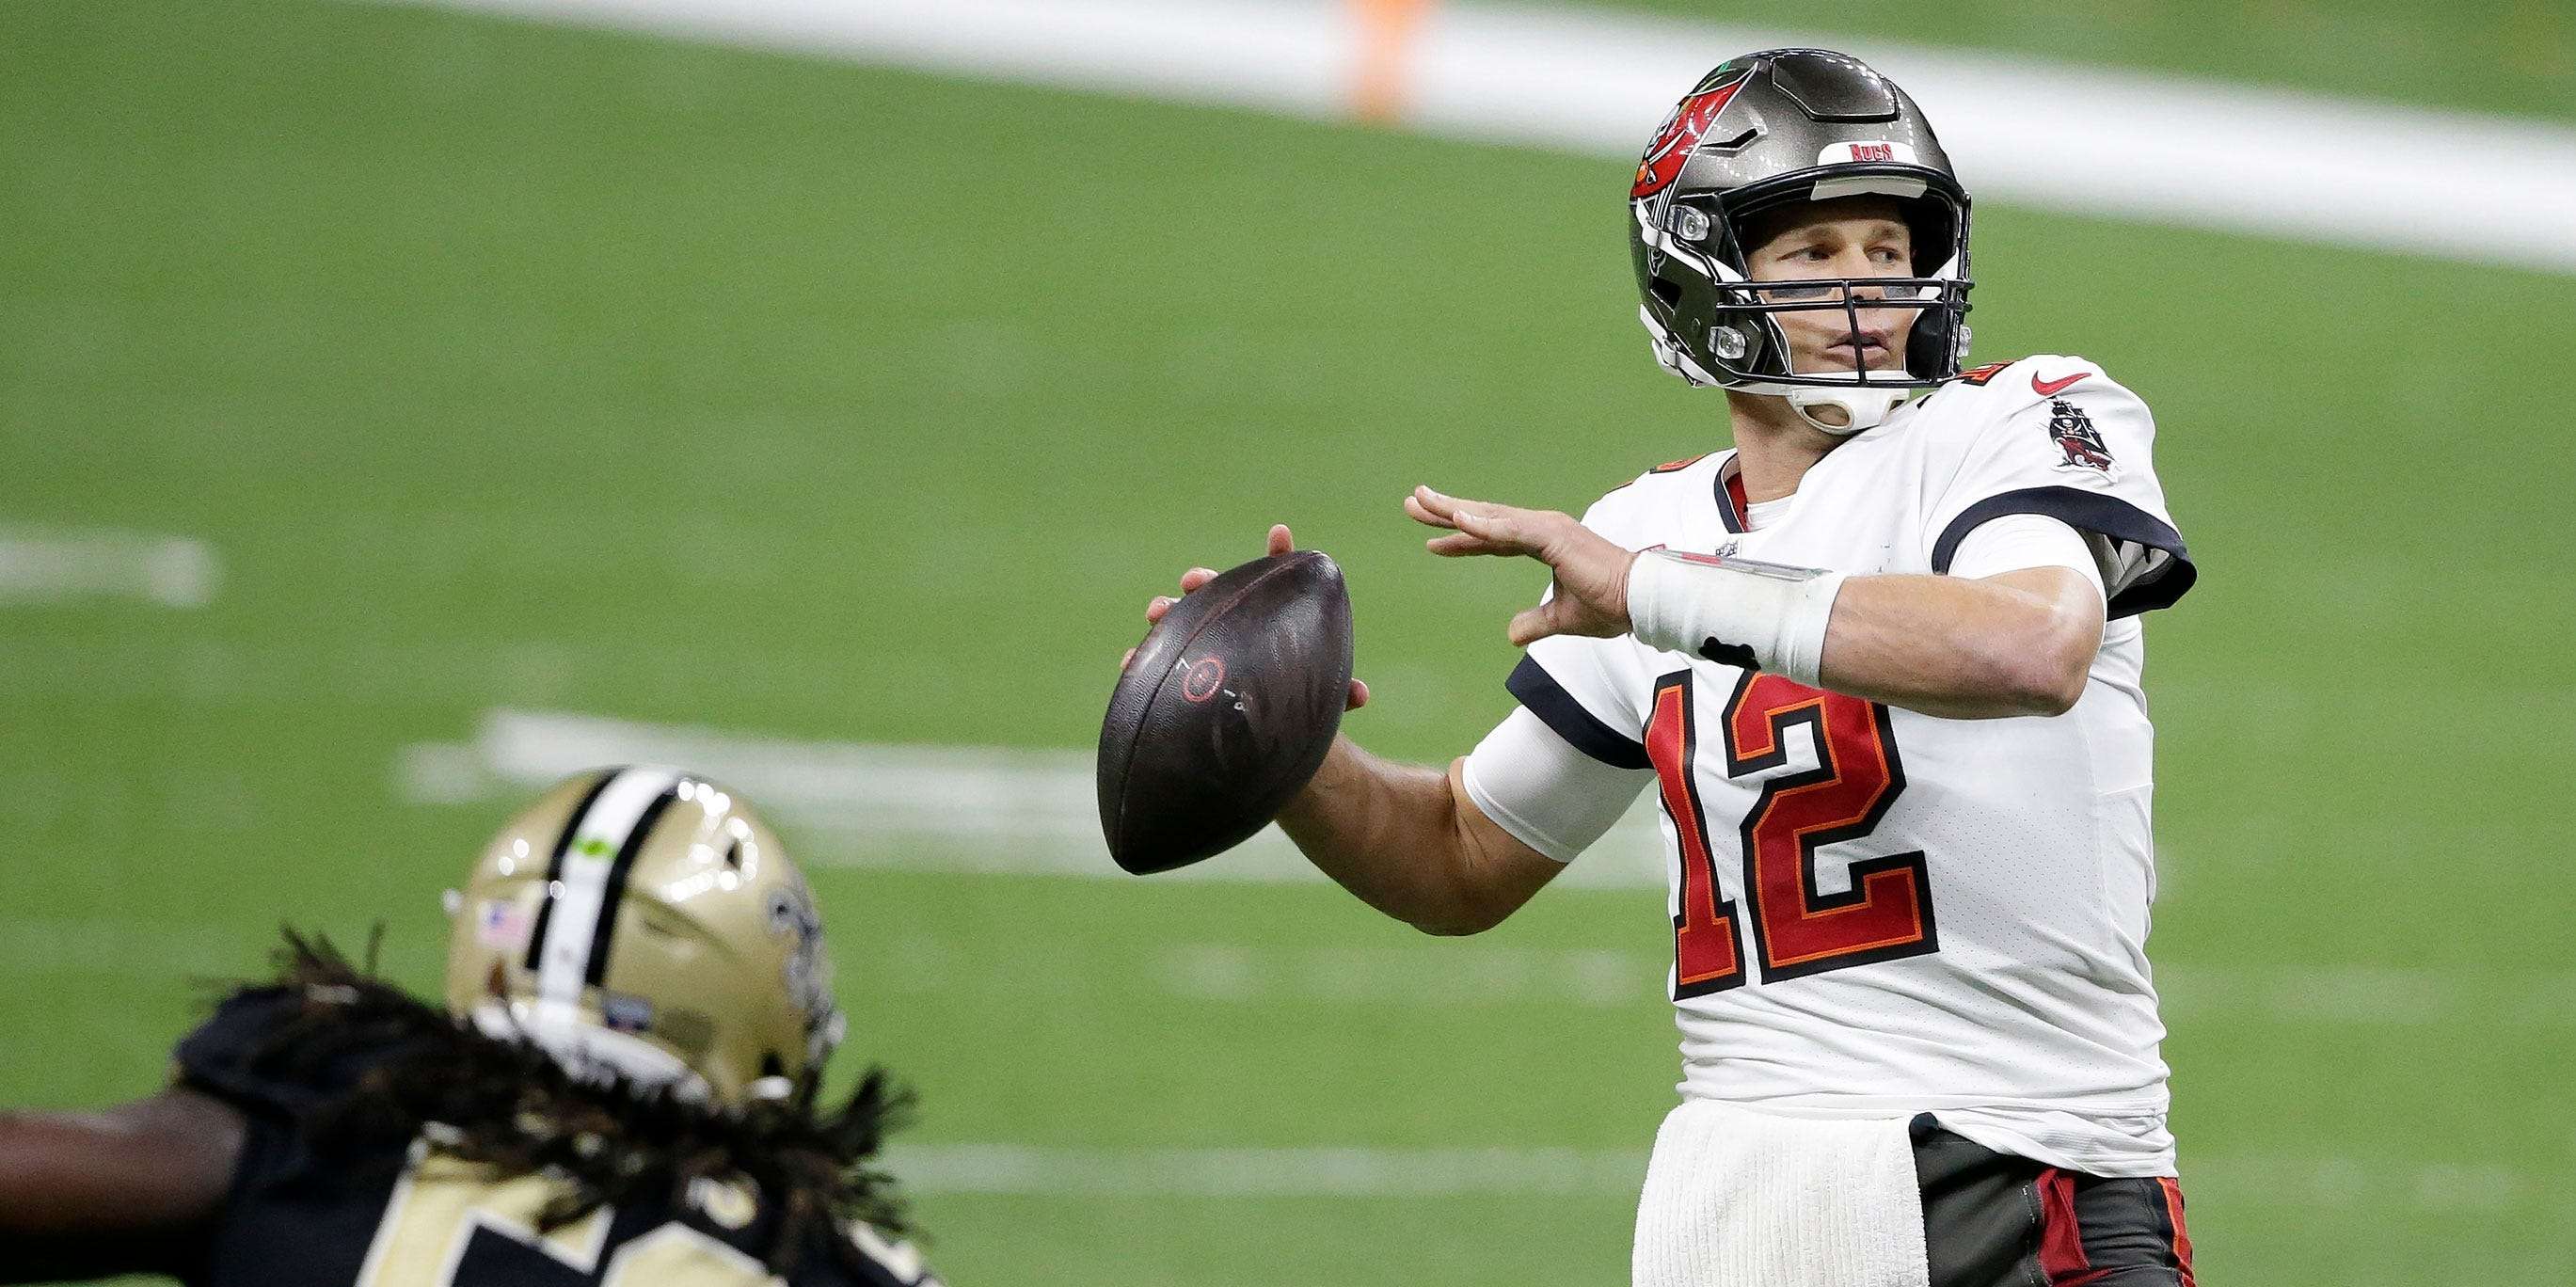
point(1862, 408)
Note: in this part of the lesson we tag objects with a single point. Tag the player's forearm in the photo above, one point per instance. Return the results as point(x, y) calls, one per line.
point(124, 1190)
point(1958, 648)
point(51, 1178)
point(1390, 834)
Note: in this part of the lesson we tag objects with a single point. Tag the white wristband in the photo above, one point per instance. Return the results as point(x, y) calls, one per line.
point(1762, 616)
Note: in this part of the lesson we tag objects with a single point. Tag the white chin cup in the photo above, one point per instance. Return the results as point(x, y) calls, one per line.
point(593, 1054)
point(1863, 408)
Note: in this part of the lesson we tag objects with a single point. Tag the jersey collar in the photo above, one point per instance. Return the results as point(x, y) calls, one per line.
point(1731, 505)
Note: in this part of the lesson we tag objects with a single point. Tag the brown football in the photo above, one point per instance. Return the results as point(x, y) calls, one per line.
point(1225, 712)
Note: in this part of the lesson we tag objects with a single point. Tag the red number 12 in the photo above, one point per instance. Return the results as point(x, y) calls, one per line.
point(1797, 930)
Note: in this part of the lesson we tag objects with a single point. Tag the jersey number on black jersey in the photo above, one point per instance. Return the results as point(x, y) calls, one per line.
point(1797, 930)
point(446, 1226)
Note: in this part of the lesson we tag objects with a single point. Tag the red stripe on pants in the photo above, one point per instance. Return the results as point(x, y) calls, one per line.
point(2061, 1240)
point(2181, 1240)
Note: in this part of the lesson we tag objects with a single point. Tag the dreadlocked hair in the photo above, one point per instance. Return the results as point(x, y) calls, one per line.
point(507, 1106)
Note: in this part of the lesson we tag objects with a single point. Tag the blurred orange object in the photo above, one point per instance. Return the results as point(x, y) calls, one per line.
point(1386, 28)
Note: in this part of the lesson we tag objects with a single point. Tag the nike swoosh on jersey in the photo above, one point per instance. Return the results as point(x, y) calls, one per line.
point(2051, 388)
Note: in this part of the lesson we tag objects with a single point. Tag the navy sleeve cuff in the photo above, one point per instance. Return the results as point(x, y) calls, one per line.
point(1556, 708)
point(2086, 511)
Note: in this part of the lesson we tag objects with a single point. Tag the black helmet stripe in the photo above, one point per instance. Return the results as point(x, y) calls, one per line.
point(596, 852)
point(615, 892)
point(554, 862)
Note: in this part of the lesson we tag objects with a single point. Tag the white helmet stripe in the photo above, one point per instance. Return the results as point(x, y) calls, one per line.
point(577, 889)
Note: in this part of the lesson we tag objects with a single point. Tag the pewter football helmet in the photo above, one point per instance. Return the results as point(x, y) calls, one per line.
point(1756, 133)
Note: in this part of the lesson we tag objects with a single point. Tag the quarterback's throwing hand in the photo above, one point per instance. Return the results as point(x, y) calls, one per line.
point(1279, 542)
point(1591, 573)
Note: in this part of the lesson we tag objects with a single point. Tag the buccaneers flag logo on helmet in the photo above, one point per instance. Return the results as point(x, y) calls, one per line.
point(1681, 132)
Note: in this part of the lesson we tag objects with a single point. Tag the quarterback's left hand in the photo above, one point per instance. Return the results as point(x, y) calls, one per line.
point(1591, 573)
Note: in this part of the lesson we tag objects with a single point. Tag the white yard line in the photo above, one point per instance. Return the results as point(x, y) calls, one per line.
point(2061, 136)
point(1266, 1172)
point(942, 808)
point(2334, 1183)
point(39, 564)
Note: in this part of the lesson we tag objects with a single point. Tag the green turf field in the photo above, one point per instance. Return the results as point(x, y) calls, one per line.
point(513, 367)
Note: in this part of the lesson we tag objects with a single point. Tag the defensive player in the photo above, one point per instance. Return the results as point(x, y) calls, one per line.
point(1881, 663)
point(621, 1091)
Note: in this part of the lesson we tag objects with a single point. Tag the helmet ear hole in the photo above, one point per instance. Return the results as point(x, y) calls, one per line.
point(1666, 290)
point(1934, 225)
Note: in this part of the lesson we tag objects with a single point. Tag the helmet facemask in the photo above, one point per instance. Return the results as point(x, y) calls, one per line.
point(1762, 151)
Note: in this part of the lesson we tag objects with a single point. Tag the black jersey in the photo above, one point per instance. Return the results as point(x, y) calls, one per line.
point(406, 1215)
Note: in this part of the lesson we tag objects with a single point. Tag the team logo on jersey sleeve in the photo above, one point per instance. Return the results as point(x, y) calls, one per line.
point(2074, 434)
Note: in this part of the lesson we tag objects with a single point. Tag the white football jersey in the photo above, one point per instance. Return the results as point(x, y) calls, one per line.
point(1877, 911)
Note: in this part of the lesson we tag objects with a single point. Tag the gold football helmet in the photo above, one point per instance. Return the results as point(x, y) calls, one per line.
point(642, 922)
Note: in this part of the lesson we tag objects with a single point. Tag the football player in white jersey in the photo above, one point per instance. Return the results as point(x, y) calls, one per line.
point(1881, 663)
